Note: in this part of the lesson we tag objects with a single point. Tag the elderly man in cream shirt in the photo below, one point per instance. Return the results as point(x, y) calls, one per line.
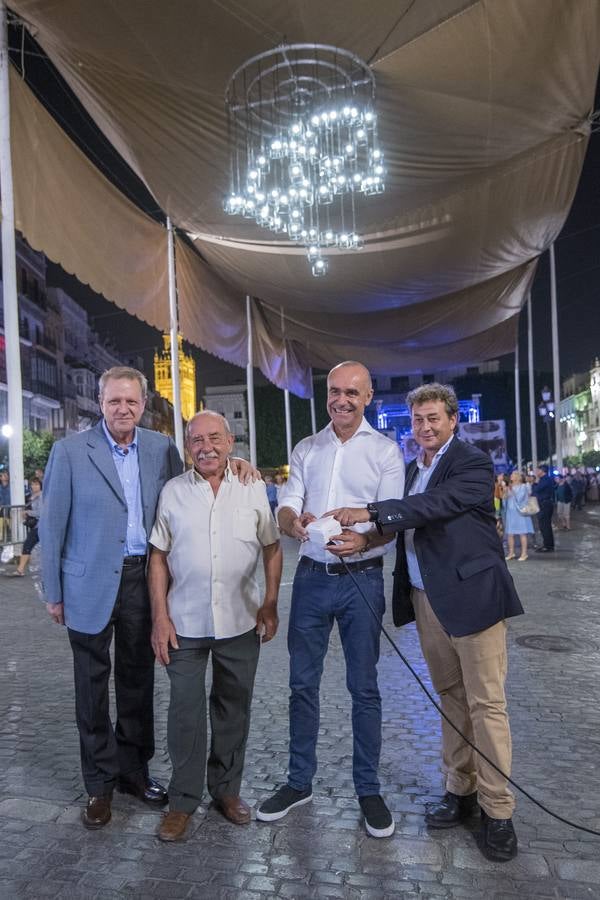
point(209, 533)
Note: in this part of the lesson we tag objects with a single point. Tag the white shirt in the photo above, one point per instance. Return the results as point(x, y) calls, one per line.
point(214, 544)
point(419, 485)
point(326, 474)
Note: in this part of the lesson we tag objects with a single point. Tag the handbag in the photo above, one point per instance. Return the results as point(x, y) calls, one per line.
point(531, 508)
point(31, 521)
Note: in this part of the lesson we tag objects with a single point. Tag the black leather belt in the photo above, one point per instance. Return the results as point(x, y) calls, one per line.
point(338, 568)
point(134, 560)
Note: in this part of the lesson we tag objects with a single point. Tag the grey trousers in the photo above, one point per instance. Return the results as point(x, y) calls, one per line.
point(234, 662)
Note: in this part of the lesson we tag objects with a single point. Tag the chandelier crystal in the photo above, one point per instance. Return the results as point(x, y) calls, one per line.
point(304, 145)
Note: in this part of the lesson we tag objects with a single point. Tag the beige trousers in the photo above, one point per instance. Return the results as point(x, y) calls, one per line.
point(469, 673)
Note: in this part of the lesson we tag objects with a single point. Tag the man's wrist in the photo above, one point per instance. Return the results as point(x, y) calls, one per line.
point(373, 512)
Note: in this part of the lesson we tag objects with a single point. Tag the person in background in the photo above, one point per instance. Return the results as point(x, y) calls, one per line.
point(563, 496)
point(4, 506)
point(543, 490)
point(32, 517)
point(271, 493)
point(516, 523)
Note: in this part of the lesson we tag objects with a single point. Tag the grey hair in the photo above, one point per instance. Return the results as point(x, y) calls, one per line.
point(207, 412)
point(122, 372)
point(353, 362)
point(434, 391)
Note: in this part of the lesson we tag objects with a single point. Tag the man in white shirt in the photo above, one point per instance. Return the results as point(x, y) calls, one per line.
point(345, 461)
point(209, 533)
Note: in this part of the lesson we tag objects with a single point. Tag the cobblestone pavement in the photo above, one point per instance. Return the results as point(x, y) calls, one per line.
point(320, 850)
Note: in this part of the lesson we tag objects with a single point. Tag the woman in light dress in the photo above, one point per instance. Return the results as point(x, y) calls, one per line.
point(515, 523)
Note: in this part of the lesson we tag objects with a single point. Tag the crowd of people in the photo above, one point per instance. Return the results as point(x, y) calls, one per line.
point(164, 562)
point(556, 495)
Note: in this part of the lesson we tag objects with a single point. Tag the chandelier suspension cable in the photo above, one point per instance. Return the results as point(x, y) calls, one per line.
point(309, 123)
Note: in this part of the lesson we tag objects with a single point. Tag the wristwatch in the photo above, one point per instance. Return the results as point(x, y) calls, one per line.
point(373, 512)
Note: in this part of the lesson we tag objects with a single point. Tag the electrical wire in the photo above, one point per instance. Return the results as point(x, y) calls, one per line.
point(434, 703)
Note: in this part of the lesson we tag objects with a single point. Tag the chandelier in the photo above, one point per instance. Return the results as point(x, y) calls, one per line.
point(302, 128)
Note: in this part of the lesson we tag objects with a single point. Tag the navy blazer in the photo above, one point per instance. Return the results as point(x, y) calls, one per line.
point(457, 546)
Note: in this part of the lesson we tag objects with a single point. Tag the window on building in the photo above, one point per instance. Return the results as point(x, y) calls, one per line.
point(428, 379)
point(24, 282)
point(238, 414)
point(472, 370)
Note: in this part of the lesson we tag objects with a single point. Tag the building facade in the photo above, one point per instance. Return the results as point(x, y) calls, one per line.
point(230, 401)
point(579, 412)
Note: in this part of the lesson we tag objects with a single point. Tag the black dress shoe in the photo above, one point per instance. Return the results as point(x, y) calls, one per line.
point(544, 550)
point(451, 810)
point(145, 789)
point(97, 812)
point(498, 841)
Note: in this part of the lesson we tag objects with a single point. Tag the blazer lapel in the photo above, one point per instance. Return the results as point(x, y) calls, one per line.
point(100, 455)
point(411, 474)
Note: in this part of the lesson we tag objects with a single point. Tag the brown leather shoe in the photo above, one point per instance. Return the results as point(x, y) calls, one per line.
point(97, 812)
point(173, 826)
point(234, 809)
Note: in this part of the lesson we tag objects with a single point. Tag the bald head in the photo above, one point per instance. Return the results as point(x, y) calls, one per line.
point(349, 391)
point(358, 367)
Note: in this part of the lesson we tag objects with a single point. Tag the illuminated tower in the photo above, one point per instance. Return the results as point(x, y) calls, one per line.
point(187, 376)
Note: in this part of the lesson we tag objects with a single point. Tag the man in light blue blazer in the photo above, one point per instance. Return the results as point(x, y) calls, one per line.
point(100, 493)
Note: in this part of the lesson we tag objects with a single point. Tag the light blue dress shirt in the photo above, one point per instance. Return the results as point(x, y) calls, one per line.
point(127, 465)
point(419, 485)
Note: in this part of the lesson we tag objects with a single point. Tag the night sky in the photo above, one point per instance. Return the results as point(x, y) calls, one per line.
point(577, 249)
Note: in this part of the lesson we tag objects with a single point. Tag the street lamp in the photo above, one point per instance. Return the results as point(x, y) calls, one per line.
point(546, 411)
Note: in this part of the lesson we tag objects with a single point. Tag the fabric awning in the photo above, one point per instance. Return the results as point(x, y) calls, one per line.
point(484, 117)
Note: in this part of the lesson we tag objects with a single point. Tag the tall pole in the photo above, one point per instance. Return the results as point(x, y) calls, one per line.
point(313, 416)
point(12, 347)
point(286, 395)
point(518, 410)
point(555, 362)
point(174, 340)
point(250, 383)
point(532, 406)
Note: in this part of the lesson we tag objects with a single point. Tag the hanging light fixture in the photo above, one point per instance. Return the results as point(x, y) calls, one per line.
point(304, 145)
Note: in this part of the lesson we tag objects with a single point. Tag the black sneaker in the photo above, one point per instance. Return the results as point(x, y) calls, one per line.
point(378, 818)
point(279, 805)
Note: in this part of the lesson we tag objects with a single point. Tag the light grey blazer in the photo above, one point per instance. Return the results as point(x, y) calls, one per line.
point(84, 520)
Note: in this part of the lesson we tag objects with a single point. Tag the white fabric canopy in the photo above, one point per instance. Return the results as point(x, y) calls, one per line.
point(484, 117)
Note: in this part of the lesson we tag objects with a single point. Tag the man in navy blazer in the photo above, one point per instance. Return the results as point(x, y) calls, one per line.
point(451, 576)
point(100, 494)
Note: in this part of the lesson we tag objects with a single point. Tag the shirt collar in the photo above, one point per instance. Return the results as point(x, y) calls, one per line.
point(363, 428)
point(436, 458)
point(113, 443)
point(197, 478)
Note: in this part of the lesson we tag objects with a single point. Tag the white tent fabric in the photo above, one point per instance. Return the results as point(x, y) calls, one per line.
point(484, 116)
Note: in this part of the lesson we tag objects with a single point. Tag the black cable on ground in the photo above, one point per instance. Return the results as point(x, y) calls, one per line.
point(434, 702)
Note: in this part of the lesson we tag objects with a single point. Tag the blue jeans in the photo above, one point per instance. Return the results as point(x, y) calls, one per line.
point(318, 599)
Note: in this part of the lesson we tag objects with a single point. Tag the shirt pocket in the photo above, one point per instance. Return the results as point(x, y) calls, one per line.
point(244, 524)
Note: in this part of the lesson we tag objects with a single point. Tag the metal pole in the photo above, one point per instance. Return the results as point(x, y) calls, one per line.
point(288, 425)
point(174, 340)
point(313, 415)
point(12, 347)
point(518, 411)
point(555, 362)
point(250, 383)
point(286, 395)
point(532, 406)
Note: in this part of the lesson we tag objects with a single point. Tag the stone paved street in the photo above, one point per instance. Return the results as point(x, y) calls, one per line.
point(320, 850)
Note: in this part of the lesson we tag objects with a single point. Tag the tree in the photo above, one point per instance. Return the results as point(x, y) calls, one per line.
point(36, 450)
point(270, 421)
